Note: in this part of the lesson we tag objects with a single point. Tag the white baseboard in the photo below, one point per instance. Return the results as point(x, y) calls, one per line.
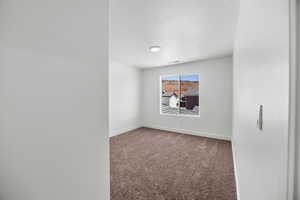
point(192, 132)
point(235, 169)
point(121, 131)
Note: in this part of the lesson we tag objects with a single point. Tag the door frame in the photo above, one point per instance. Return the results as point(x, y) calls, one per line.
point(292, 98)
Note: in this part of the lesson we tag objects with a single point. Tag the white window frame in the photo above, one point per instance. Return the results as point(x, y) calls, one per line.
point(160, 99)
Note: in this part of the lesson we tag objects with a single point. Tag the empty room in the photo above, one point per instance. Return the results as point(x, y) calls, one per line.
point(173, 94)
point(149, 100)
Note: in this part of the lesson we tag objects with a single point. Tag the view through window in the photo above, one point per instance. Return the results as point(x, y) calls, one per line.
point(180, 94)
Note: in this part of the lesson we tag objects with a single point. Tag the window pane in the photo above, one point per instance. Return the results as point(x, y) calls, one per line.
point(170, 94)
point(189, 94)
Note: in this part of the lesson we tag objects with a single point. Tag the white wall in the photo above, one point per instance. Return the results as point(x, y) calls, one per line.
point(261, 76)
point(53, 100)
point(215, 99)
point(124, 93)
point(297, 179)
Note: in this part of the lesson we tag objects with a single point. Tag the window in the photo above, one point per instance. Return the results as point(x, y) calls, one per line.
point(180, 95)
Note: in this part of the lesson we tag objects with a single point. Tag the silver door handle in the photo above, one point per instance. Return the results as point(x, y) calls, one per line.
point(260, 118)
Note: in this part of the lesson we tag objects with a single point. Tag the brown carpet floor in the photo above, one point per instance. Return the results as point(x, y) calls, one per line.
point(149, 164)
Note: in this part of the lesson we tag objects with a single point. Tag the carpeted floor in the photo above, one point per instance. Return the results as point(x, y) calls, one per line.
point(149, 164)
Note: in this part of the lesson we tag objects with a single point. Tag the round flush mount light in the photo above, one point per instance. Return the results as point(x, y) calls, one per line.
point(154, 48)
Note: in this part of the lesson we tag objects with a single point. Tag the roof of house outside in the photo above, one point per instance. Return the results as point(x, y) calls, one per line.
point(168, 94)
point(194, 91)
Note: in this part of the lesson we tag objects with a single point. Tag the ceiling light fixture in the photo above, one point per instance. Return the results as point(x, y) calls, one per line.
point(154, 48)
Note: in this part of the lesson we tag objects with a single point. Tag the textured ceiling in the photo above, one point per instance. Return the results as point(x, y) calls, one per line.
point(186, 30)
